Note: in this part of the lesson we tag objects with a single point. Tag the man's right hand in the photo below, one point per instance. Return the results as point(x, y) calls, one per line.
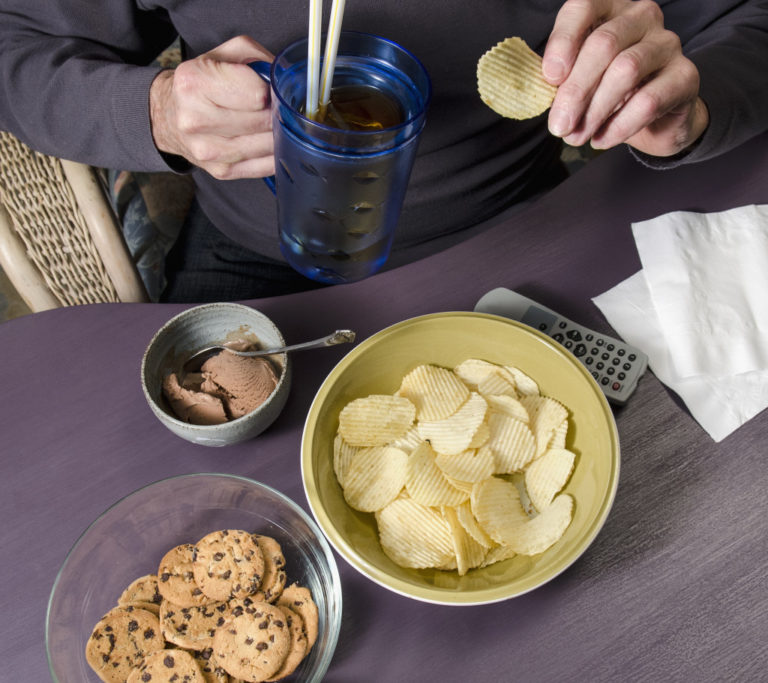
point(214, 111)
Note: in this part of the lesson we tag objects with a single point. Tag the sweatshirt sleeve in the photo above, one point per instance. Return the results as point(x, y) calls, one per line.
point(75, 78)
point(728, 43)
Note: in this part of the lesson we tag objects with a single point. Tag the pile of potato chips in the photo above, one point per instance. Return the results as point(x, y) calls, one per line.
point(462, 467)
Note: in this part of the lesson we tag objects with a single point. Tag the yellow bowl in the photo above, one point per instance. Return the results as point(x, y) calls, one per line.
point(378, 364)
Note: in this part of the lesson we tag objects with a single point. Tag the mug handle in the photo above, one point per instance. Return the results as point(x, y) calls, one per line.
point(264, 69)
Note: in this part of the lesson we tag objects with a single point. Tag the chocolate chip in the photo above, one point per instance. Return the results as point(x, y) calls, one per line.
point(249, 641)
point(165, 576)
point(261, 646)
point(146, 676)
point(169, 661)
point(149, 633)
point(218, 557)
point(133, 625)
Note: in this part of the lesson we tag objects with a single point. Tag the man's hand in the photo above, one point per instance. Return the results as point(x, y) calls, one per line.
point(622, 77)
point(214, 111)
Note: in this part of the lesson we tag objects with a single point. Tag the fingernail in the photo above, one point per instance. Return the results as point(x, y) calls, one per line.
point(559, 122)
point(553, 69)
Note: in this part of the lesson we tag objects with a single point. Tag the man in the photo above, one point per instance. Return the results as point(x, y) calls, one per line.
point(677, 81)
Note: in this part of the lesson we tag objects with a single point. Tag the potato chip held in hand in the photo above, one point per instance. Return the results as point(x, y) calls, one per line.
point(510, 81)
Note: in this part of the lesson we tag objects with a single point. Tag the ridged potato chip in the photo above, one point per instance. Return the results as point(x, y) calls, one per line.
point(453, 434)
point(546, 476)
point(510, 81)
point(544, 530)
point(375, 476)
point(559, 436)
point(436, 392)
point(472, 371)
point(342, 456)
point(546, 415)
point(467, 519)
point(472, 465)
point(425, 481)
point(469, 553)
point(512, 443)
point(415, 535)
point(508, 405)
point(481, 436)
point(408, 441)
point(496, 506)
point(498, 382)
point(375, 419)
point(498, 553)
point(526, 386)
point(465, 486)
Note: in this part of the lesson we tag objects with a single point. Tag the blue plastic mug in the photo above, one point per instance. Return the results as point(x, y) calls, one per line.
point(339, 192)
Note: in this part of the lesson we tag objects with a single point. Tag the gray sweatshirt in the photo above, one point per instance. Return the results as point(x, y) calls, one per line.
point(75, 77)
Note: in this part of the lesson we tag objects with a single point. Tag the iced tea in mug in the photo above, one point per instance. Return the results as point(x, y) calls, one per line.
point(340, 179)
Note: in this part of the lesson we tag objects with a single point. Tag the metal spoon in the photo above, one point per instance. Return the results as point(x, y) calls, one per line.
point(193, 363)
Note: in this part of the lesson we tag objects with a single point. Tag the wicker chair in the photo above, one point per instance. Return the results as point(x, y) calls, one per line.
point(60, 241)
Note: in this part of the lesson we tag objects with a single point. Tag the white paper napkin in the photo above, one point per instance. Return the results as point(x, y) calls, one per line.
point(708, 277)
point(699, 309)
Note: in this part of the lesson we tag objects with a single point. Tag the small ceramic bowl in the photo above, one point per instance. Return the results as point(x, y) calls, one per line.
point(193, 330)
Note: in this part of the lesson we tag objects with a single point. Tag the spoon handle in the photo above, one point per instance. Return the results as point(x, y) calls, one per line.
point(338, 337)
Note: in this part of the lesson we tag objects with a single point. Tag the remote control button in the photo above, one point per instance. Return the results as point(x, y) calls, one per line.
point(594, 351)
point(610, 371)
point(562, 325)
point(600, 342)
point(627, 366)
point(610, 347)
point(615, 386)
point(543, 327)
point(616, 361)
point(568, 344)
point(595, 375)
point(604, 381)
point(621, 352)
point(558, 337)
point(631, 356)
point(588, 360)
point(580, 350)
point(589, 337)
point(605, 356)
point(622, 375)
point(575, 335)
point(600, 365)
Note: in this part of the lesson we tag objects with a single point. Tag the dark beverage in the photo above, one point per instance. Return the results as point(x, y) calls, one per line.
point(361, 107)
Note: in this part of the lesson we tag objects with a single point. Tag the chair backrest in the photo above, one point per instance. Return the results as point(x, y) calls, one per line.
point(60, 241)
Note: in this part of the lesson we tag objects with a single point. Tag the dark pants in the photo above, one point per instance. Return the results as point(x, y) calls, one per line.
point(204, 265)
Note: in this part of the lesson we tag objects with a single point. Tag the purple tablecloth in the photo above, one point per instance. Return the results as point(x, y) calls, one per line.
point(674, 586)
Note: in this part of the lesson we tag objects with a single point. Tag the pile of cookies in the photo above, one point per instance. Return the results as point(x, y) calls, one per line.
point(217, 611)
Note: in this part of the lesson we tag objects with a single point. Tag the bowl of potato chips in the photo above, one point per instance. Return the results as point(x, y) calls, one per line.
point(460, 458)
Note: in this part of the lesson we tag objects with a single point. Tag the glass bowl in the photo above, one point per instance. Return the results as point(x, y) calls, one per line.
point(129, 539)
point(377, 366)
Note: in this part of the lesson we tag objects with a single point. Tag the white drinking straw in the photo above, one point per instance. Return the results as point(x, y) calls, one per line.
point(313, 56)
point(331, 48)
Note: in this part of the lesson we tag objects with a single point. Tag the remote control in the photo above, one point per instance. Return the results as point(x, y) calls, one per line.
point(616, 366)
